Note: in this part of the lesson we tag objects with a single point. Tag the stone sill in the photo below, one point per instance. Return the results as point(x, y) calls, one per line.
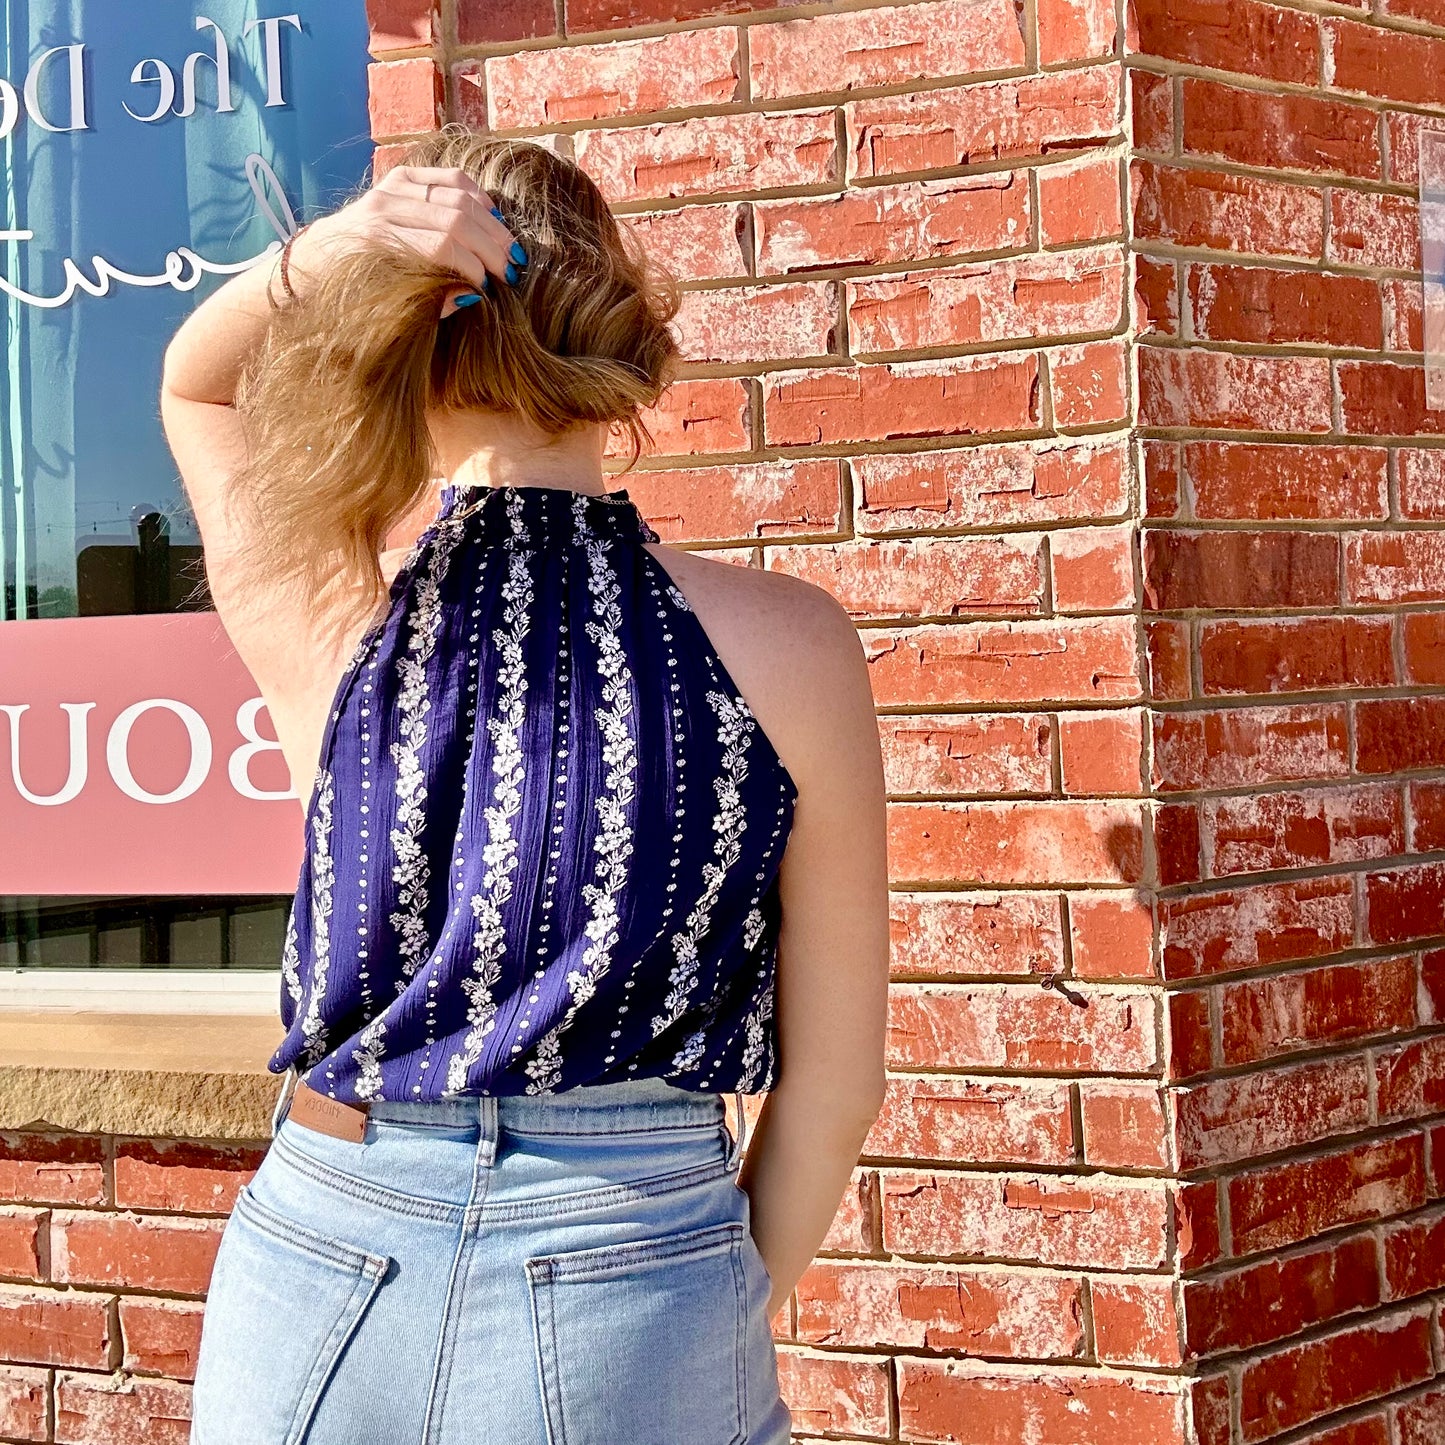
point(192, 1076)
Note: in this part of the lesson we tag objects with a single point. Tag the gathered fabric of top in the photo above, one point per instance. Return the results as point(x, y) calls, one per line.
point(543, 844)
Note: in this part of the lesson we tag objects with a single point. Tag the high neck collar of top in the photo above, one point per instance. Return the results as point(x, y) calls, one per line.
point(539, 515)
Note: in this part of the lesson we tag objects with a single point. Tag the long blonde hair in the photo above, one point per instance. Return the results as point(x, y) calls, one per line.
point(334, 402)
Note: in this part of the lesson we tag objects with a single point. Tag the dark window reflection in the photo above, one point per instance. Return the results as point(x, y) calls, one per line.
point(104, 933)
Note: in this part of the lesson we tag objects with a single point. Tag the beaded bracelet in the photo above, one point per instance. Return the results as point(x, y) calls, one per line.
point(286, 285)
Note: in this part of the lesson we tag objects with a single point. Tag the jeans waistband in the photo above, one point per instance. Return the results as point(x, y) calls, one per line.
point(584, 1109)
point(615, 1108)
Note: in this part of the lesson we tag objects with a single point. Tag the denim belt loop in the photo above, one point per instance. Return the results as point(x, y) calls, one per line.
point(740, 1133)
point(289, 1080)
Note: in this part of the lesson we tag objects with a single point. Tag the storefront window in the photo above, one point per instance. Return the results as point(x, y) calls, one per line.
point(149, 151)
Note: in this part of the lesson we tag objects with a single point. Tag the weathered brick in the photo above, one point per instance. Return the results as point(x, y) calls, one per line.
point(1101, 752)
point(1049, 1219)
point(1237, 570)
point(1163, 469)
point(1302, 655)
point(1051, 1408)
point(55, 1327)
point(1421, 1421)
point(1302, 829)
point(967, 396)
point(22, 1242)
point(711, 414)
point(944, 128)
point(1275, 1298)
point(1392, 567)
point(485, 22)
point(1192, 388)
point(923, 576)
point(1152, 102)
point(695, 243)
point(1136, 1321)
point(1250, 747)
point(405, 96)
point(1242, 35)
point(946, 934)
point(136, 1251)
point(1075, 30)
point(184, 1178)
point(24, 1403)
point(1415, 1256)
point(1227, 212)
point(1191, 1034)
point(1022, 1027)
point(744, 500)
point(1080, 201)
point(996, 1312)
point(758, 323)
point(1026, 842)
point(1254, 481)
point(1281, 1391)
point(892, 45)
point(836, 1392)
point(1386, 63)
point(1011, 662)
point(1262, 305)
point(628, 77)
point(1279, 132)
point(1092, 569)
point(1269, 1016)
point(116, 1410)
point(1247, 928)
point(1393, 735)
point(711, 155)
point(1236, 1118)
point(1405, 903)
point(1063, 294)
point(1424, 639)
point(1288, 1203)
point(1112, 935)
point(1124, 1125)
point(1410, 1079)
point(886, 224)
point(980, 754)
point(1422, 484)
point(1089, 383)
point(974, 1121)
point(162, 1336)
point(52, 1169)
point(401, 24)
point(1368, 229)
point(998, 484)
point(1381, 398)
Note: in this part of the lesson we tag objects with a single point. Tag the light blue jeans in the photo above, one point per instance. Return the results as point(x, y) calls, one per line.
point(563, 1269)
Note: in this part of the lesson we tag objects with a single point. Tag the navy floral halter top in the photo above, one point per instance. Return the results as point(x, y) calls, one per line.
point(543, 845)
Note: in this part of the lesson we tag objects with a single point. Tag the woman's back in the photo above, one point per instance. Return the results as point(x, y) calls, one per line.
point(544, 836)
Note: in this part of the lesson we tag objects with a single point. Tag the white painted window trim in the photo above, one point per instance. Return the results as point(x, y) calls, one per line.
point(141, 991)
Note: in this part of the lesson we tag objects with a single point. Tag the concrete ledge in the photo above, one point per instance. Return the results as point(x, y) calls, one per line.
point(192, 1077)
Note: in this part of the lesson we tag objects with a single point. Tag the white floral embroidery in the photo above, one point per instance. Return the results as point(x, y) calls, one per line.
point(291, 960)
point(323, 877)
point(613, 842)
point(752, 928)
point(729, 823)
point(500, 852)
point(756, 1041)
point(411, 871)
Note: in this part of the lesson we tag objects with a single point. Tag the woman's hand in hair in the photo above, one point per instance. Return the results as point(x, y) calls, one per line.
point(441, 214)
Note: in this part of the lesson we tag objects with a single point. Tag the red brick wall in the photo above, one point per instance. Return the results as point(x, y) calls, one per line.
point(1292, 581)
point(1117, 474)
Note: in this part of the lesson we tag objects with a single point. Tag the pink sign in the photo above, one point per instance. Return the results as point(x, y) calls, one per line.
point(136, 756)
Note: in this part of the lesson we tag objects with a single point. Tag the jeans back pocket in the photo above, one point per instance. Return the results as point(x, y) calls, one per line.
point(283, 1302)
point(643, 1342)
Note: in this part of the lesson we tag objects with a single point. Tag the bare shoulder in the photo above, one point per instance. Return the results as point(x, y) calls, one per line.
point(794, 653)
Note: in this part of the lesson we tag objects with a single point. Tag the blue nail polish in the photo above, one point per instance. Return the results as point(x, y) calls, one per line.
point(512, 274)
point(496, 213)
point(518, 254)
point(470, 299)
